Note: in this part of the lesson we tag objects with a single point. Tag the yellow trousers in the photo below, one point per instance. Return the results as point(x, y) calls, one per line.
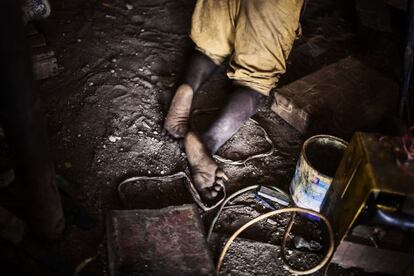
point(257, 35)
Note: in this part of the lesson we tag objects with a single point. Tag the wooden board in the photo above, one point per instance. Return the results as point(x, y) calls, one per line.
point(339, 99)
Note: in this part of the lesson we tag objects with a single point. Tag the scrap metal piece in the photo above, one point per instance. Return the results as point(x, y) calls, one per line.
point(168, 241)
point(338, 99)
point(274, 195)
point(372, 259)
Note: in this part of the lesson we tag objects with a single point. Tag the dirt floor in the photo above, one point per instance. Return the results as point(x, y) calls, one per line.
point(119, 63)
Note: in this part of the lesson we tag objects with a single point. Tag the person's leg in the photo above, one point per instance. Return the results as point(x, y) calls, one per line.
point(241, 105)
point(207, 176)
point(264, 34)
point(25, 128)
point(199, 69)
point(262, 44)
point(212, 31)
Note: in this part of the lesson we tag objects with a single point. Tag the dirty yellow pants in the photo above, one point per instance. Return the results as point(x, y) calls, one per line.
point(257, 35)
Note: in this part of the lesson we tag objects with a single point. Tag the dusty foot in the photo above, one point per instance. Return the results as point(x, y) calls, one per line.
point(176, 122)
point(207, 176)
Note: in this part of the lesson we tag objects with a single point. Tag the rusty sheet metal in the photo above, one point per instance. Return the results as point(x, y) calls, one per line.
point(167, 241)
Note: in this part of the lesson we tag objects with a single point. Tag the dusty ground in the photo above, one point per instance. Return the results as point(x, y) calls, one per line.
point(119, 66)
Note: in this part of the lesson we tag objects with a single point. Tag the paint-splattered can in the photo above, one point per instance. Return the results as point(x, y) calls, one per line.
point(319, 159)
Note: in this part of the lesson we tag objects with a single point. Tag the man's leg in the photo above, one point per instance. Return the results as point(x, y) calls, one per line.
point(25, 128)
point(212, 31)
point(241, 105)
point(199, 69)
point(264, 34)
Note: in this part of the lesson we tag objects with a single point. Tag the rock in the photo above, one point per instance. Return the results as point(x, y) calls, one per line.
point(110, 17)
point(114, 139)
point(145, 125)
point(300, 242)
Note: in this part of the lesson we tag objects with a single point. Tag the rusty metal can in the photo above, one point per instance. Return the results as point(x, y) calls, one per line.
point(319, 159)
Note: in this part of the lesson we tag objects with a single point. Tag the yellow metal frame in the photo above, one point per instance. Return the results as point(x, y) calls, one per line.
point(368, 168)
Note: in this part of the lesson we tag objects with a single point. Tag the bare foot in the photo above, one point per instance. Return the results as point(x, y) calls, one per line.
point(176, 122)
point(207, 176)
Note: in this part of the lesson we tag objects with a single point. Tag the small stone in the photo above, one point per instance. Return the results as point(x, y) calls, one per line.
point(155, 132)
point(145, 124)
point(113, 139)
point(110, 17)
point(91, 84)
point(129, 6)
point(149, 172)
point(271, 222)
point(112, 71)
point(162, 172)
point(300, 242)
point(113, 60)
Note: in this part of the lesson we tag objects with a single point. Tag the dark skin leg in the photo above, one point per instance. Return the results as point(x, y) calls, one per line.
point(208, 178)
point(199, 70)
point(242, 104)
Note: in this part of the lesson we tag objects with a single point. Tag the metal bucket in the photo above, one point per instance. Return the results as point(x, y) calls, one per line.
point(319, 159)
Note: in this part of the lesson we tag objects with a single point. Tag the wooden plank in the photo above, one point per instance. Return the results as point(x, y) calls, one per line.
point(339, 99)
